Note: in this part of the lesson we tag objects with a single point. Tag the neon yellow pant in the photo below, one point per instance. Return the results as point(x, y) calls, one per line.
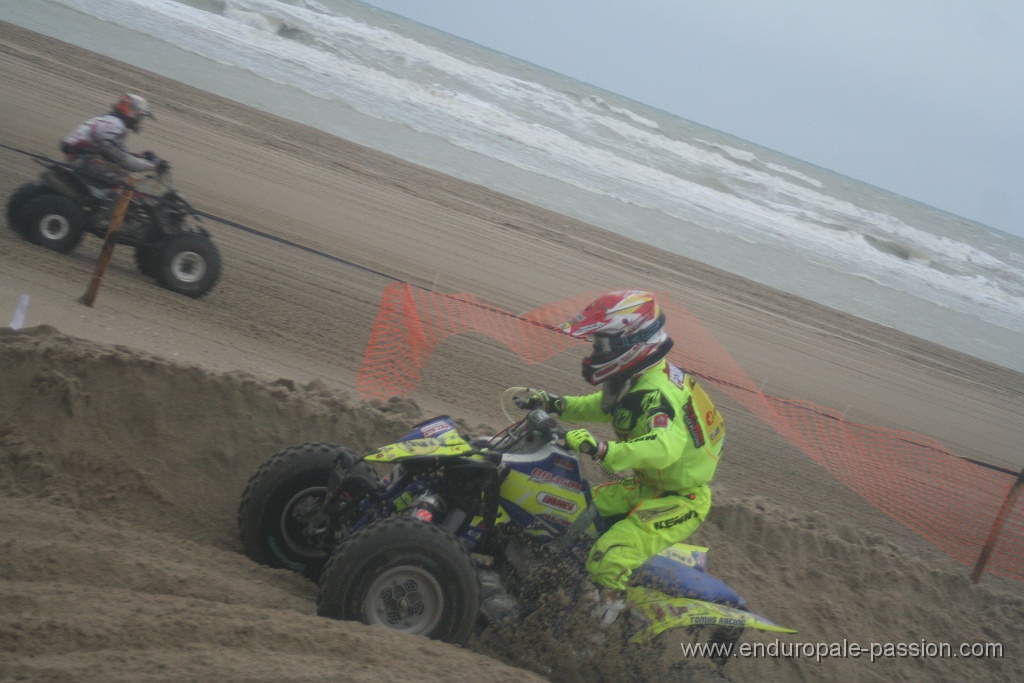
point(652, 524)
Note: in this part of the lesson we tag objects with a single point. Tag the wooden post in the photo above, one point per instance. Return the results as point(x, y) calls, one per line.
point(89, 298)
point(997, 526)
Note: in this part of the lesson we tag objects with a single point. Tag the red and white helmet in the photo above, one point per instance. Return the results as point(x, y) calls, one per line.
point(132, 109)
point(626, 330)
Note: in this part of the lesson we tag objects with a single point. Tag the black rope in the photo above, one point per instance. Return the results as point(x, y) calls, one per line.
point(28, 154)
point(491, 309)
point(296, 245)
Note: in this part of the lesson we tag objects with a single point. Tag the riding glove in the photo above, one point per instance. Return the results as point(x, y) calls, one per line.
point(546, 401)
point(582, 441)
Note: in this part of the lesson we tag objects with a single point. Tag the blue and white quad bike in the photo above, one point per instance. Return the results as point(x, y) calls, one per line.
point(457, 533)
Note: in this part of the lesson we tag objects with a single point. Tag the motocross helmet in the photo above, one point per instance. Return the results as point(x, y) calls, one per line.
point(132, 109)
point(625, 328)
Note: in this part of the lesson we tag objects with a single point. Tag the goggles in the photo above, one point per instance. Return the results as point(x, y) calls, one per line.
point(604, 344)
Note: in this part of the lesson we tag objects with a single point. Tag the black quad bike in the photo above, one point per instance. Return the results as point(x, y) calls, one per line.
point(170, 243)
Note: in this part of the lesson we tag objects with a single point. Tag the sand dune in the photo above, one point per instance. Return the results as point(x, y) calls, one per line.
point(122, 474)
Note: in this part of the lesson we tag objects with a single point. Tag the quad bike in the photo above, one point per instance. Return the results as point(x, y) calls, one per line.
point(450, 538)
point(170, 243)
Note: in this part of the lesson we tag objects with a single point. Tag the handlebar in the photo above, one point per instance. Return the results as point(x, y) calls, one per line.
point(542, 422)
point(518, 397)
point(537, 421)
point(162, 166)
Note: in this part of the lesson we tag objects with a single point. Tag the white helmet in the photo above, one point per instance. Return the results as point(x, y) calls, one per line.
point(132, 109)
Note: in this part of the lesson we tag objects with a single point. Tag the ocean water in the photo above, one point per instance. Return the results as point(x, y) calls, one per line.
point(423, 95)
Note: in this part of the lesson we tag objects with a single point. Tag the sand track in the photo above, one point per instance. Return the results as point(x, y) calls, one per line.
point(127, 431)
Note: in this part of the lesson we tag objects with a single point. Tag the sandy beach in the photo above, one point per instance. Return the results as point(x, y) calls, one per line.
point(128, 430)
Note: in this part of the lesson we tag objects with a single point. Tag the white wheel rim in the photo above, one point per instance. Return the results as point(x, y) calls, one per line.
point(54, 227)
point(188, 266)
point(405, 598)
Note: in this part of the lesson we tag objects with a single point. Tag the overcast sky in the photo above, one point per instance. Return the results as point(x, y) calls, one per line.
point(921, 97)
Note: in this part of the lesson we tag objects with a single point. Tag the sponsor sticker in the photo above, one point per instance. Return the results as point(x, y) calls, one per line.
point(659, 421)
point(549, 478)
point(436, 428)
point(557, 502)
point(564, 463)
point(677, 611)
point(557, 520)
point(666, 523)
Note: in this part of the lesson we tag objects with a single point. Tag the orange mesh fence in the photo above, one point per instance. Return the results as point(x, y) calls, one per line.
point(946, 499)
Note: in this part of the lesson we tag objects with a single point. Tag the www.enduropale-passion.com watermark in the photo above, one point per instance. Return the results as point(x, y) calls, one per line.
point(922, 649)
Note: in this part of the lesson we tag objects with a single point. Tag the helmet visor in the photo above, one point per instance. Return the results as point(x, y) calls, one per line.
point(608, 346)
point(605, 344)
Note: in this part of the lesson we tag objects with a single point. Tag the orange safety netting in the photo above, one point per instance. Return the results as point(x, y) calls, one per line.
point(946, 499)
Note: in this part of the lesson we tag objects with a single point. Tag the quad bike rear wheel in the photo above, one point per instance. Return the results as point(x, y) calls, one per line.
point(188, 264)
point(280, 517)
point(17, 202)
point(53, 221)
point(406, 575)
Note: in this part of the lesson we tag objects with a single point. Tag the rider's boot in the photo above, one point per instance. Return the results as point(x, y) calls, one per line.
point(495, 602)
point(608, 604)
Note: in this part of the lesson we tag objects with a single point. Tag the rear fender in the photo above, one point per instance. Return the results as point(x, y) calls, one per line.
point(677, 579)
point(660, 613)
point(67, 184)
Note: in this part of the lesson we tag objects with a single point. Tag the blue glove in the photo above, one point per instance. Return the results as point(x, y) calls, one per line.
point(581, 441)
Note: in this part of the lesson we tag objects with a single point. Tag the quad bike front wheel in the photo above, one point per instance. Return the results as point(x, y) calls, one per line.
point(52, 221)
point(188, 264)
point(280, 517)
point(406, 575)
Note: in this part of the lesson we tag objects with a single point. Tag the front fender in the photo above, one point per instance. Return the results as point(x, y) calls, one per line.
point(449, 444)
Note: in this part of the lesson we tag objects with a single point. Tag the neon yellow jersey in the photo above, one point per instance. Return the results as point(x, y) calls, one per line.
point(668, 428)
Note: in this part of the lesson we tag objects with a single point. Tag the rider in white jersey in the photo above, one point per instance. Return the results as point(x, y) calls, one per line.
point(97, 147)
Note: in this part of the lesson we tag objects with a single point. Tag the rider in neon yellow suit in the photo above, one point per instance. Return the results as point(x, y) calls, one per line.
point(669, 433)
